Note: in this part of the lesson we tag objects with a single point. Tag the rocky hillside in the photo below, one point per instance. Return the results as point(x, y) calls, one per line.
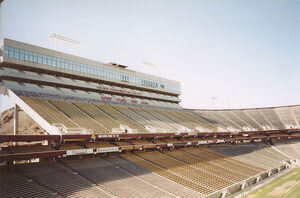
point(27, 126)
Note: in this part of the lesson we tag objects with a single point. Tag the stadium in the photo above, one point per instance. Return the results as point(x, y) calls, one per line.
point(107, 131)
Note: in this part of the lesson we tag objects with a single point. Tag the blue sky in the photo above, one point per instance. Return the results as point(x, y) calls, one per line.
point(226, 54)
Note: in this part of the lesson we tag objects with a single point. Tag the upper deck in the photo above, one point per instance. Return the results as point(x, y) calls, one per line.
point(34, 57)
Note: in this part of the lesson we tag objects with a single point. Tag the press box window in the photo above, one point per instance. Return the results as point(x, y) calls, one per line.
point(6, 51)
point(125, 78)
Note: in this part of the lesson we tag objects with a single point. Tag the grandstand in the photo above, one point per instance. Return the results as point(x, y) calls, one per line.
point(113, 132)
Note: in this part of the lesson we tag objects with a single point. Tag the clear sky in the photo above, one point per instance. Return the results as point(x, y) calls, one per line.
point(225, 53)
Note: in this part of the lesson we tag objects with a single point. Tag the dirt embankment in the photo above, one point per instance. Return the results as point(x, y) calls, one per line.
point(27, 126)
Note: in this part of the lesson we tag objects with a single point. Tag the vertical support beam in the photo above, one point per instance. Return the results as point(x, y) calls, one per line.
point(224, 193)
point(16, 119)
point(258, 178)
point(244, 185)
point(269, 173)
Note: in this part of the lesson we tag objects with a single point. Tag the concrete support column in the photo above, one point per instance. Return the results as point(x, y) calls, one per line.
point(269, 173)
point(244, 184)
point(258, 178)
point(16, 119)
point(224, 193)
point(279, 169)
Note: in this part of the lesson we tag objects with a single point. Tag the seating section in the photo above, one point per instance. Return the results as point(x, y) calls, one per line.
point(14, 184)
point(104, 118)
point(151, 177)
point(134, 116)
point(200, 121)
point(184, 172)
point(290, 148)
point(48, 112)
point(202, 170)
point(114, 179)
point(169, 115)
point(259, 118)
point(234, 119)
point(63, 180)
point(153, 167)
point(161, 125)
point(247, 119)
point(287, 117)
point(164, 119)
point(100, 116)
point(122, 119)
point(259, 155)
point(78, 116)
point(225, 176)
point(273, 118)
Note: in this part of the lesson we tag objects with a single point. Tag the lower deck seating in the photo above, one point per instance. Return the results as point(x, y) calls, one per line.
point(63, 180)
point(155, 179)
point(14, 184)
point(184, 172)
point(114, 179)
point(259, 155)
point(290, 148)
point(166, 174)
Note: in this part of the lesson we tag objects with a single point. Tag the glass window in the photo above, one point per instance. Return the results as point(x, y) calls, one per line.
point(22, 55)
point(53, 61)
point(76, 66)
point(66, 64)
point(58, 62)
point(35, 57)
point(49, 60)
point(79, 67)
point(26, 55)
point(73, 65)
point(6, 51)
point(11, 53)
point(69, 65)
point(17, 53)
point(39, 58)
point(44, 59)
point(62, 63)
point(30, 56)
